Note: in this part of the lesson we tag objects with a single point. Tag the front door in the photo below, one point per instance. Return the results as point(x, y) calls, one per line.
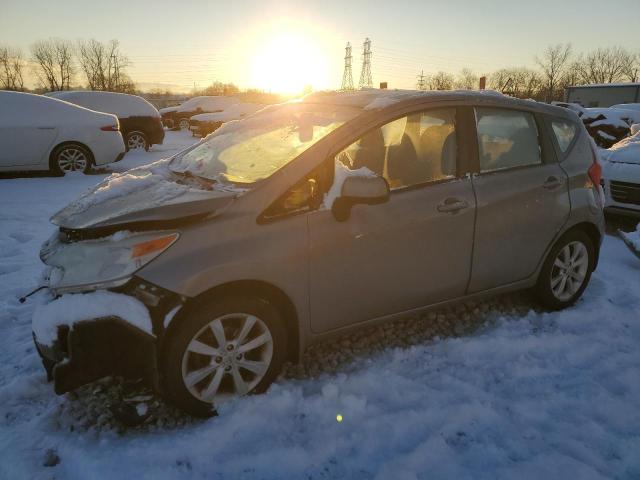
point(414, 250)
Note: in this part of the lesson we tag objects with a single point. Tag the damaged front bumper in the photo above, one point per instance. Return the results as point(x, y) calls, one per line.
point(97, 348)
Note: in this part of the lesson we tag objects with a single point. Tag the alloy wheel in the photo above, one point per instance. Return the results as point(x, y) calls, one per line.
point(72, 159)
point(569, 270)
point(135, 141)
point(183, 124)
point(226, 358)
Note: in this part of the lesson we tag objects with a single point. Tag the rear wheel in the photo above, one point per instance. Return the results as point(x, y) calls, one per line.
point(566, 271)
point(184, 124)
point(136, 140)
point(222, 349)
point(70, 158)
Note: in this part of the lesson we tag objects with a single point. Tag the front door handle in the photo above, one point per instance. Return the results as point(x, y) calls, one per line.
point(552, 183)
point(452, 205)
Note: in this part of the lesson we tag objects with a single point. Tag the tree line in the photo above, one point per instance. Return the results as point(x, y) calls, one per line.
point(559, 66)
point(57, 64)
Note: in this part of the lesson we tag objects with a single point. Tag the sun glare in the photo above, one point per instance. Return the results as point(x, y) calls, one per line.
point(289, 62)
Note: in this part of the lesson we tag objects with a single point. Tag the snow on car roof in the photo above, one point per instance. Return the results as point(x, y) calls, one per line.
point(27, 107)
point(234, 112)
point(120, 104)
point(207, 103)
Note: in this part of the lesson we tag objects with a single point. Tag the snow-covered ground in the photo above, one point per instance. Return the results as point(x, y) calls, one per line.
point(509, 393)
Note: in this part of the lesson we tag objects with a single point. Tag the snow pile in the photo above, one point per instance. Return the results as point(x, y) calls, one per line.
point(73, 308)
point(341, 173)
point(120, 104)
point(632, 240)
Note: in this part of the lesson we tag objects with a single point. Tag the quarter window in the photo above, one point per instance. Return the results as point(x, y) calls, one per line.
point(506, 139)
point(411, 150)
point(564, 132)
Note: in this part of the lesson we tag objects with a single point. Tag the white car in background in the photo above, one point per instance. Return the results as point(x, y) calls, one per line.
point(42, 133)
point(621, 175)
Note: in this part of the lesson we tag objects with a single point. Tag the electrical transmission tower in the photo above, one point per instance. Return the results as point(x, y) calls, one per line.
point(422, 81)
point(347, 77)
point(365, 74)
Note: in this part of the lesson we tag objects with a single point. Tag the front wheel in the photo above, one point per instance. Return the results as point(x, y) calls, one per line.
point(71, 158)
point(184, 124)
point(566, 271)
point(222, 349)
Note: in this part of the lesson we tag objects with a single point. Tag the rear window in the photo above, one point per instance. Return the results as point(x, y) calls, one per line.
point(565, 132)
point(506, 139)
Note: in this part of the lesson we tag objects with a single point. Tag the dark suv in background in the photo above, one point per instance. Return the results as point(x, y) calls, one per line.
point(178, 117)
point(140, 122)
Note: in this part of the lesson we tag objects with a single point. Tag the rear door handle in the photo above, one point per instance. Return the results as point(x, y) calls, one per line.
point(552, 183)
point(452, 205)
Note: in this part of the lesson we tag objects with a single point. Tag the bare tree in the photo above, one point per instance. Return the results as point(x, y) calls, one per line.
point(104, 66)
point(54, 63)
point(440, 81)
point(553, 64)
point(631, 69)
point(518, 82)
point(467, 80)
point(11, 69)
point(605, 65)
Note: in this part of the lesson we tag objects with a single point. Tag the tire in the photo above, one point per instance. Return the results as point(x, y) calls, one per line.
point(572, 258)
point(183, 124)
point(70, 158)
point(190, 376)
point(136, 140)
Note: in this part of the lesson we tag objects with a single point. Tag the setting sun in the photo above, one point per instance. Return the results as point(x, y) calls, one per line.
point(288, 62)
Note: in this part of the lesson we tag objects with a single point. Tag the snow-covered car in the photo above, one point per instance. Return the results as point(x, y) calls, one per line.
point(203, 273)
point(621, 176)
point(627, 106)
point(609, 125)
point(206, 123)
point(178, 117)
point(42, 133)
point(140, 122)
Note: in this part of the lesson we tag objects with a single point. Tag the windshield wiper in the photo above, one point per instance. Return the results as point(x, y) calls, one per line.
point(202, 181)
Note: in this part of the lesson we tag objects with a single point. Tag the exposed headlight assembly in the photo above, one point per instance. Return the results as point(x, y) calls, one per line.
point(105, 263)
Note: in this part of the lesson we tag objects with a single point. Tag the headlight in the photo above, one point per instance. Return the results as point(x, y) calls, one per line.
point(105, 263)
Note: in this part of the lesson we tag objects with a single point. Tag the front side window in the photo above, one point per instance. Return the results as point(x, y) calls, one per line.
point(564, 132)
point(506, 139)
point(254, 148)
point(411, 150)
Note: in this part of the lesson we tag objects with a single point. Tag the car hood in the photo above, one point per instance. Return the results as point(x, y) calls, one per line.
point(144, 196)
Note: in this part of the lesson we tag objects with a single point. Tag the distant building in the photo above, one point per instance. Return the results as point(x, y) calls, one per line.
point(603, 95)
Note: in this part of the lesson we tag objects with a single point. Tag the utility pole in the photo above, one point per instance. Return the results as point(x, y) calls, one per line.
point(365, 74)
point(347, 77)
point(422, 81)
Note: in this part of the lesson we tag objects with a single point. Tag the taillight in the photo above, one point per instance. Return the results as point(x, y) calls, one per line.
point(595, 173)
point(110, 128)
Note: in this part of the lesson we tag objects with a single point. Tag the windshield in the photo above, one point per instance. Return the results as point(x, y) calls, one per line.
point(254, 148)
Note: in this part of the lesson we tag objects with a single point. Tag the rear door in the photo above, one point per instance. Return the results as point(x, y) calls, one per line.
point(522, 197)
point(414, 250)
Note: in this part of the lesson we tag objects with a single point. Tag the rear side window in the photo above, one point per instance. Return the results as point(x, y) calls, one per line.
point(565, 132)
point(506, 139)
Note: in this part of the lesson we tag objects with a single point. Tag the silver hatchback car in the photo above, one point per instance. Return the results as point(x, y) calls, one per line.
point(310, 219)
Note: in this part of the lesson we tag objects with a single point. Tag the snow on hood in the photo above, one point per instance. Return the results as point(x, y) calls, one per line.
point(626, 150)
point(207, 103)
point(164, 110)
point(121, 196)
point(73, 308)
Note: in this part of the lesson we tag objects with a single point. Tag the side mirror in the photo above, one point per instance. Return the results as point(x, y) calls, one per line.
point(359, 190)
